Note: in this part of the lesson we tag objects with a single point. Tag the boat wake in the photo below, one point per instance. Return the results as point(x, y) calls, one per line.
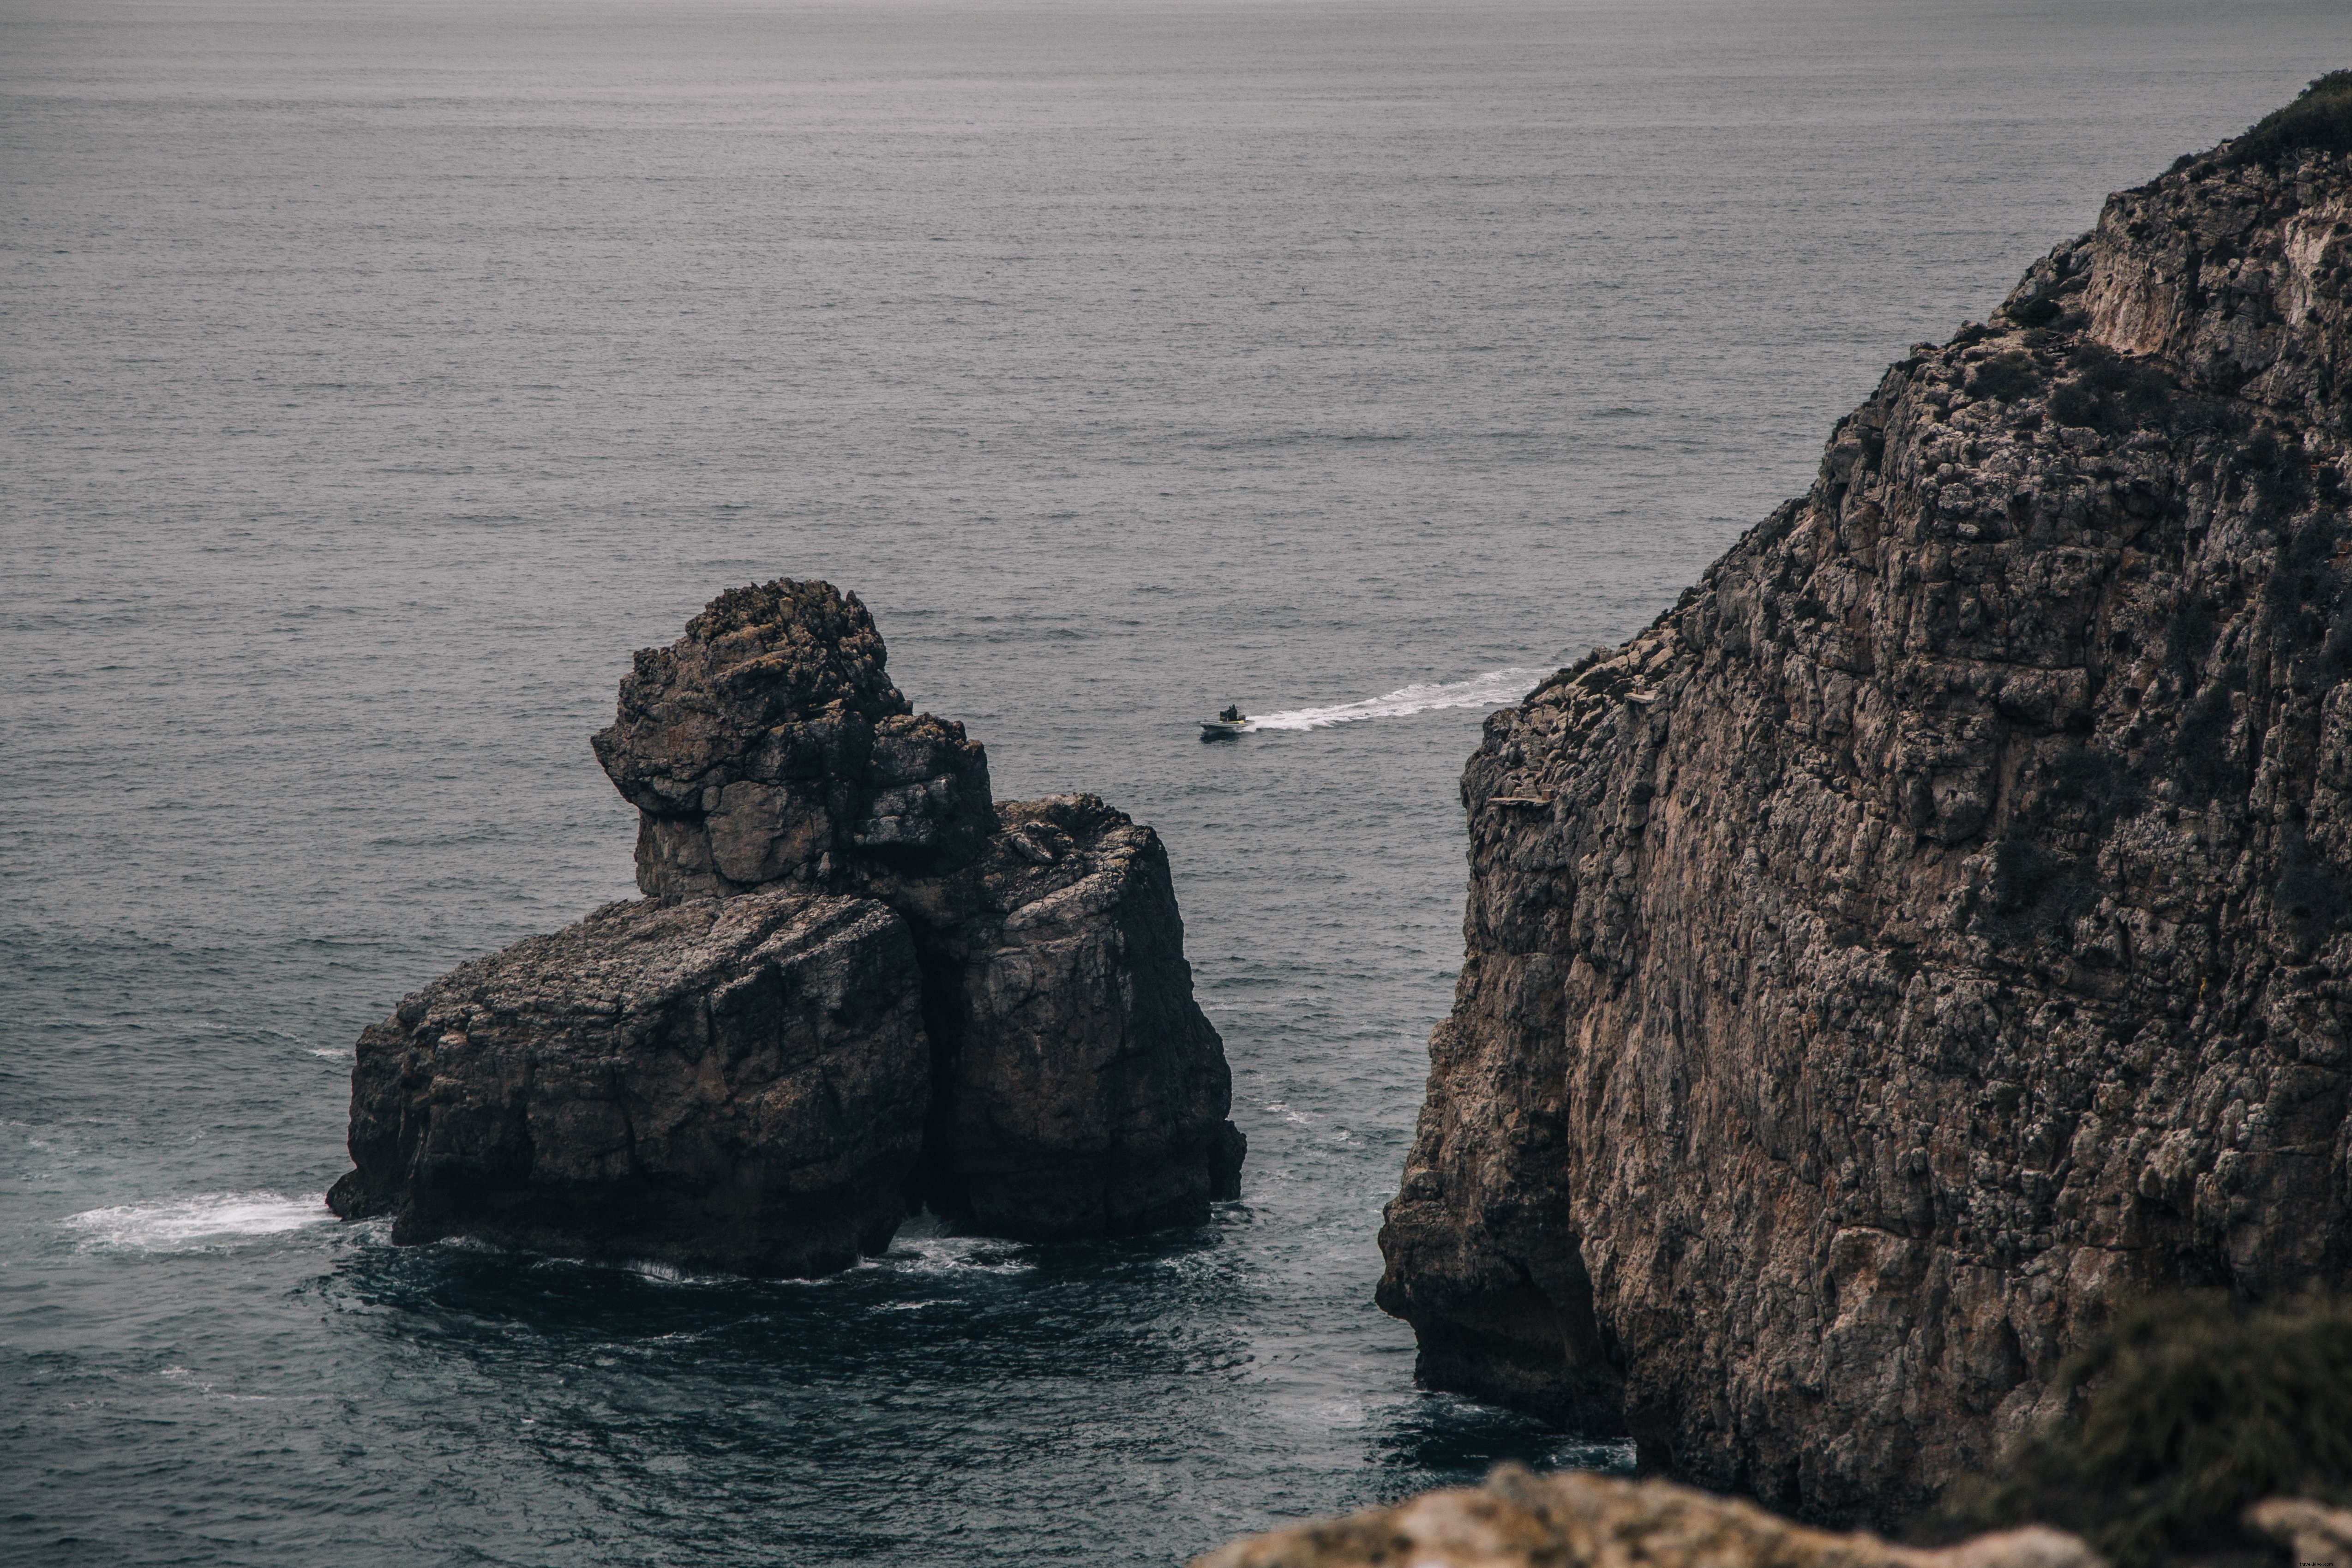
point(189, 1223)
point(1495, 688)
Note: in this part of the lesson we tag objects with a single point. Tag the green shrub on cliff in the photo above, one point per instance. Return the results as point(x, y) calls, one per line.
point(2319, 120)
point(2185, 1411)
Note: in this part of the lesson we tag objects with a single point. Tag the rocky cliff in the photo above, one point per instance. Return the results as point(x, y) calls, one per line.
point(856, 984)
point(1519, 1519)
point(1939, 922)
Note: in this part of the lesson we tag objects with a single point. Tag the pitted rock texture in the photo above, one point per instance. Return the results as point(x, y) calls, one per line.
point(739, 1085)
point(768, 745)
point(1081, 1090)
point(1939, 921)
point(1519, 1519)
point(1028, 963)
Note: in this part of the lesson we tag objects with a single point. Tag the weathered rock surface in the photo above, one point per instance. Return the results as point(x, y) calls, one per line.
point(856, 983)
point(769, 744)
point(739, 1085)
point(1081, 1091)
point(2314, 1535)
point(1519, 1520)
point(1940, 920)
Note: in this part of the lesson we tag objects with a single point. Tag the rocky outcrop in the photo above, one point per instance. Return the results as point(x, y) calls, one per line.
point(856, 983)
point(2314, 1535)
point(1940, 920)
point(768, 745)
point(1080, 1090)
point(739, 1084)
point(1519, 1519)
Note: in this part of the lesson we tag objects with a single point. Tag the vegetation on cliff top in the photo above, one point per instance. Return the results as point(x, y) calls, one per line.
point(2318, 120)
point(2185, 1412)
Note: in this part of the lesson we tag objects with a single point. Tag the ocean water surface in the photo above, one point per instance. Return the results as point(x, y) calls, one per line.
point(375, 378)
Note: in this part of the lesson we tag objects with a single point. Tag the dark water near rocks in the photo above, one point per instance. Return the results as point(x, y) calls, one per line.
point(373, 380)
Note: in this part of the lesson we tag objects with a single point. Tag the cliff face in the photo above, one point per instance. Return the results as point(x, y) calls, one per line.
point(1939, 921)
point(856, 984)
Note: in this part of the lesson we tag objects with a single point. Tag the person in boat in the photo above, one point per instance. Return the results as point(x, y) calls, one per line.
point(1231, 715)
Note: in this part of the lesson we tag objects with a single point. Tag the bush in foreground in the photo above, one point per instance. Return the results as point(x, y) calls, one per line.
point(2187, 1410)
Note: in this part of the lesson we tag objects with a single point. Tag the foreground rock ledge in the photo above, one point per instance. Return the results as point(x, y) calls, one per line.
point(1938, 922)
point(857, 986)
point(1519, 1520)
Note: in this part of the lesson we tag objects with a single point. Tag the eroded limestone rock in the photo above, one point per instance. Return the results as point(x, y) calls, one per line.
point(985, 1011)
point(2316, 1535)
point(735, 1085)
point(1519, 1519)
point(769, 744)
point(1081, 1090)
point(1938, 922)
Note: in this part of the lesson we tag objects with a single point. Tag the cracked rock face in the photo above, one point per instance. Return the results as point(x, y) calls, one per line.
point(1081, 1090)
point(856, 984)
point(1939, 921)
point(769, 744)
point(737, 1085)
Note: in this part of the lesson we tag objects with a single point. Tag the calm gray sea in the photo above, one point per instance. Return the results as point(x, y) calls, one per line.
point(375, 378)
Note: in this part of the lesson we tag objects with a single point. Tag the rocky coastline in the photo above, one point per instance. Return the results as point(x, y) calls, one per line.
point(1934, 928)
point(856, 986)
point(1520, 1519)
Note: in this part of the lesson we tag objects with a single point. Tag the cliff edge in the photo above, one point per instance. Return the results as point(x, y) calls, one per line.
point(1937, 924)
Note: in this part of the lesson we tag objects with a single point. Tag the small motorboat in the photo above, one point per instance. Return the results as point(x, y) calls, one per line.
point(1231, 721)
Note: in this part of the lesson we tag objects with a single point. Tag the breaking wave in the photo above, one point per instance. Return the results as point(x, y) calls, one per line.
point(1495, 688)
point(922, 1248)
point(188, 1223)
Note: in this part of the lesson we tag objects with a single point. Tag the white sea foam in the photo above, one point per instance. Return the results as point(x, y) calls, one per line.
point(1495, 688)
point(919, 1249)
point(670, 1274)
point(210, 1220)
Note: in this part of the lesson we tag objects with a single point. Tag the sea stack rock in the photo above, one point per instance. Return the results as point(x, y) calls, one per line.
point(740, 1084)
point(1078, 1091)
point(1940, 922)
point(768, 745)
point(856, 983)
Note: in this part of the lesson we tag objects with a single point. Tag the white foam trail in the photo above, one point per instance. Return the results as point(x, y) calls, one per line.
point(1495, 688)
point(187, 1223)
